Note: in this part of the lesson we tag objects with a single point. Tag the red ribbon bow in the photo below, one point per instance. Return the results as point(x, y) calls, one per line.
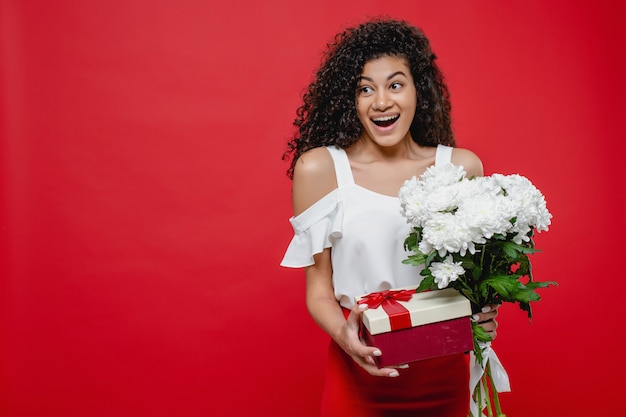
point(399, 317)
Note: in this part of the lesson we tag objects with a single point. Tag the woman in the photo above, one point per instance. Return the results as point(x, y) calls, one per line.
point(376, 114)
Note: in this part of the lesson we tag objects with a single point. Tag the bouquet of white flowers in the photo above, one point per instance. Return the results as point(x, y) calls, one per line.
point(475, 235)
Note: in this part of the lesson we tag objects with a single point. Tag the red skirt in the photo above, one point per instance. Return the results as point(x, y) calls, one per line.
point(435, 387)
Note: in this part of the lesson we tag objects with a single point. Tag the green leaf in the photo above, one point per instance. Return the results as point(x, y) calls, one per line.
point(428, 283)
point(410, 242)
point(480, 334)
point(526, 296)
point(513, 250)
point(430, 257)
point(541, 284)
point(477, 272)
point(526, 307)
point(523, 266)
point(505, 285)
point(415, 259)
point(510, 250)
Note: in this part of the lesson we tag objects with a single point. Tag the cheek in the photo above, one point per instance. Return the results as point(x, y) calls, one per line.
point(410, 104)
point(361, 110)
point(411, 99)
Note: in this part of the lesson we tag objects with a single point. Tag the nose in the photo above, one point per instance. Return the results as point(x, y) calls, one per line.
point(381, 101)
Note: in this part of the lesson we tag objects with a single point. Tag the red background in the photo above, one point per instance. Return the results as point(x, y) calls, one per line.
point(144, 204)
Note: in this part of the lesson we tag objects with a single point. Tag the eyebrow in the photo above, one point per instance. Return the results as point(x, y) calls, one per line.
point(363, 77)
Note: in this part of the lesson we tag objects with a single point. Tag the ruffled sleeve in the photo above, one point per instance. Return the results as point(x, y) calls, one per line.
point(315, 229)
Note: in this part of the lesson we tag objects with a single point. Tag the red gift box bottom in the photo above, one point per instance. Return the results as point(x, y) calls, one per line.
point(422, 342)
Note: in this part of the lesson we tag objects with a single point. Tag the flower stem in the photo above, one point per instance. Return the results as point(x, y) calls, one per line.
point(479, 401)
point(486, 383)
point(469, 294)
point(496, 400)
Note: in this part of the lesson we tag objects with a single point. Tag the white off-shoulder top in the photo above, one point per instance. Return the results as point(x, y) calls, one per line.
point(365, 231)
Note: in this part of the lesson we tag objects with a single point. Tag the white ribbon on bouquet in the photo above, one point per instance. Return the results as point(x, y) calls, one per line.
point(499, 377)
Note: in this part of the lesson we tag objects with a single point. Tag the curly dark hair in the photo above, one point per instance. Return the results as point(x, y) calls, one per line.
point(328, 114)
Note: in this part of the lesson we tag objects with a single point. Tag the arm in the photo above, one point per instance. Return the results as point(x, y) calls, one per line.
point(327, 313)
point(470, 161)
point(314, 177)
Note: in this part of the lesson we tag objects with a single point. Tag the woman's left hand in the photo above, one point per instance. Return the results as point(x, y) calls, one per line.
point(487, 319)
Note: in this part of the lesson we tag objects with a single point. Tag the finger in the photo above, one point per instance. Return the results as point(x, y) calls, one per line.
point(368, 362)
point(492, 333)
point(493, 309)
point(385, 372)
point(365, 351)
point(389, 372)
point(356, 312)
point(489, 326)
point(482, 317)
point(488, 312)
point(367, 354)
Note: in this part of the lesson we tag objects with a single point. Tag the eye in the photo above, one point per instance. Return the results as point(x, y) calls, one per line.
point(396, 86)
point(366, 90)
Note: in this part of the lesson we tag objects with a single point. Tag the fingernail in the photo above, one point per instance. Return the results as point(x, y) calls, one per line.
point(394, 374)
point(377, 353)
point(486, 309)
point(474, 317)
point(404, 366)
point(362, 306)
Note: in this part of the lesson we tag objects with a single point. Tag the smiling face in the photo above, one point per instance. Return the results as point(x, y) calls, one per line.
point(386, 100)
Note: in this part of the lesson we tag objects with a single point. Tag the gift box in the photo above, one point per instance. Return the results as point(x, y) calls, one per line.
point(408, 326)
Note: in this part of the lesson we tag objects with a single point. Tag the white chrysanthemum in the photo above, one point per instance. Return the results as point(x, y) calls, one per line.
point(454, 213)
point(484, 185)
point(445, 272)
point(412, 197)
point(441, 200)
point(442, 175)
point(446, 233)
point(529, 204)
point(486, 215)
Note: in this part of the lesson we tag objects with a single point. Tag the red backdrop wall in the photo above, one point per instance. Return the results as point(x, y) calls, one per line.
point(144, 204)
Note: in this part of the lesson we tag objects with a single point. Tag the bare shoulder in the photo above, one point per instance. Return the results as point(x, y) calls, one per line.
point(313, 178)
point(470, 161)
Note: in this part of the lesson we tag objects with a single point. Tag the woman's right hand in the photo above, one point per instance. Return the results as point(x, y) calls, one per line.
point(362, 354)
point(329, 315)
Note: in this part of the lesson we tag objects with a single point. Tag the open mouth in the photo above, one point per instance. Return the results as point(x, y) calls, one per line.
point(385, 121)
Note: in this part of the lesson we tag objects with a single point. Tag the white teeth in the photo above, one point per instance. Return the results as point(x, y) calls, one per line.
point(384, 119)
